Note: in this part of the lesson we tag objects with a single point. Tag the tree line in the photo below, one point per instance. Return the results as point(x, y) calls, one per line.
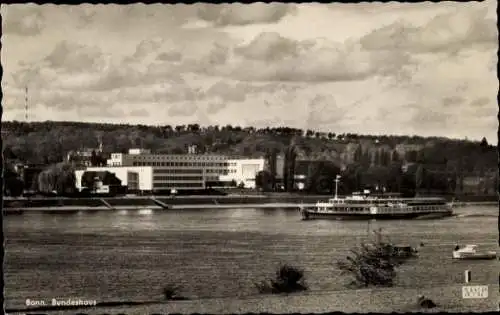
point(361, 159)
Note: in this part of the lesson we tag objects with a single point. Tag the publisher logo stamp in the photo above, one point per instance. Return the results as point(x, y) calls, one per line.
point(475, 292)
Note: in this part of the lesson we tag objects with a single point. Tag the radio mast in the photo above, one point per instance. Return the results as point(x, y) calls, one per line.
point(26, 104)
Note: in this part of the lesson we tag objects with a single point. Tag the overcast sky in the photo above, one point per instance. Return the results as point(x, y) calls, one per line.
point(426, 69)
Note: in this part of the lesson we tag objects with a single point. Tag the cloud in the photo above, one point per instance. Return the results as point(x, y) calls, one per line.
point(146, 47)
point(85, 14)
point(103, 112)
point(322, 110)
point(450, 32)
point(169, 56)
point(214, 108)
point(269, 46)
point(227, 92)
point(430, 118)
point(453, 101)
point(65, 100)
point(138, 113)
point(68, 66)
point(22, 20)
point(184, 109)
point(72, 57)
point(480, 102)
point(146, 59)
point(239, 14)
point(271, 57)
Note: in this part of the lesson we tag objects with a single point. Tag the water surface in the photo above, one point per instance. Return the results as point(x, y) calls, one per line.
point(131, 255)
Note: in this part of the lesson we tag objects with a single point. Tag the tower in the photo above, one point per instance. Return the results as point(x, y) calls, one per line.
point(26, 103)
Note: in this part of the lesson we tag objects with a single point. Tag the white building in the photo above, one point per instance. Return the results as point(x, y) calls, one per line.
point(121, 159)
point(184, 171)
point(135, 178)
point(243, 171)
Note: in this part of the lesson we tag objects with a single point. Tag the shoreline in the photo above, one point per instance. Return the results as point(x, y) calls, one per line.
point(396, 299)
point(156, 208)
point(137, 203)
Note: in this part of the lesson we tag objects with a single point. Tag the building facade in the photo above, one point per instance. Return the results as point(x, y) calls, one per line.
point(243, 172)
point(183, 171)
point(136, 179)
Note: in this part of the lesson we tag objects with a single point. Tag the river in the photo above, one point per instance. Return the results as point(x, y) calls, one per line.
point(131, 255)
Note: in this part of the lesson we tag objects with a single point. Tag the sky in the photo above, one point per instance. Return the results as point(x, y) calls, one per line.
point(424, 69)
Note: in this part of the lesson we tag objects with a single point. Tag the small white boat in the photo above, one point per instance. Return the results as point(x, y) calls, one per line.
point(469, 252)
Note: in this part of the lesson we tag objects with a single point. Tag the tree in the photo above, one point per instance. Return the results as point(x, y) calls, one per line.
point(264, 180)
point(94, 160)
point(419, 177)
point(289, 167)
point(411, 156)
point(358, 153)
point(373, 263)
point(312, 177)
point(59, 178)
point(377, 158)
point(395, 156)
point(484, 143)
point(288, 279)
point(13, 184)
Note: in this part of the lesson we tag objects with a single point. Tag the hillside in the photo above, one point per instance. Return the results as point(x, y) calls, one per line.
point(398, 163)
point(48, 142)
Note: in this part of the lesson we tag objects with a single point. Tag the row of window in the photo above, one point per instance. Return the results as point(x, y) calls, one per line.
point(189, 157)
point(192, 171)
point(177, 185)
point(177, 178)
point(355, 209)
point(211, 164)
point(220, 172)
point(178, 171)
point(386, 209)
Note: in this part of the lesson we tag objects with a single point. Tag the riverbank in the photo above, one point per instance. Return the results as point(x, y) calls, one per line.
point(448, 299)
point(74, 209)
point(14, 205)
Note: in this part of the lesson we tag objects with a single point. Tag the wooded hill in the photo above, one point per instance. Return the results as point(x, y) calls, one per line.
point(49, 142)
point(435, 163)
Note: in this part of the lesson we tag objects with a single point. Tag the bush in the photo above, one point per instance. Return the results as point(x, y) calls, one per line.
point(171, 292)
point(288, 279)
point(373, 264)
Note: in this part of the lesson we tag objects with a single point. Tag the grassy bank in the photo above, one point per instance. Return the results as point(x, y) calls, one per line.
point(448, 299)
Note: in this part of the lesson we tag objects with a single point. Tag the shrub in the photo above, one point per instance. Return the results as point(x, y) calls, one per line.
point(288, 279)
point(171, 292)
point(373, 264)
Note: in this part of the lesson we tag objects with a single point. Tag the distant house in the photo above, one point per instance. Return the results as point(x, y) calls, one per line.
point(315, 175)
point(404, 148)
point(479, 184)
point(86, 158)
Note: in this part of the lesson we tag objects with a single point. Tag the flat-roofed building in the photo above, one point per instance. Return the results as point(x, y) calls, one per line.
point(135, 178)
point(243, 171)
point(189, 171)
point(176, 171)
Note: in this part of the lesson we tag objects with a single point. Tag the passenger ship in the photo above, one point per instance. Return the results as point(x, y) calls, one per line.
point(363, 206)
